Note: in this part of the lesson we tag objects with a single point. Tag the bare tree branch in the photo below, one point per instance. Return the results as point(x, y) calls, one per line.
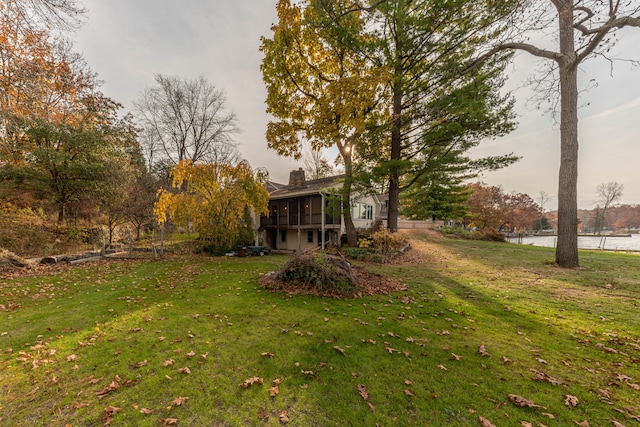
point(59, 14)
point(189, 120)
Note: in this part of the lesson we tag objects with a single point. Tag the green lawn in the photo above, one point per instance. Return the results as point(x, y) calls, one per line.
point(189, 340)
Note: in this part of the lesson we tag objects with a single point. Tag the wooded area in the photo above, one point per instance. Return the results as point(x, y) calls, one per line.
point(402, 90)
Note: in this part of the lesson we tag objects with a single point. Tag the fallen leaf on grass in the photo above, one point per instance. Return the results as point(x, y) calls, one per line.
point(455, 357)
point(408, 392)
point(628, 412)
point(267, 354)
point(571, 401)
point(263, 415)
point(168, 362)
point(273, 391)
point(583, 423)
point(179, 401)
point(363, 391)
point(442, 367)
point(191, 353)
point(283, 416)
point(114, 385)
point(109, 412)
point(169, 422)
point(339, 350)
point(607, 349)
point(483, 351)
point(407, 382)
point(141, 364)
point(617, 424)
point(146, 411)
point(72, 358)
point(634, 386)
point(251, 381)
point(541, 376)
point(546, 414)
point(371, 407)
point(526, 424)
point(485, 422)
point(91, 379)
point(522, 402)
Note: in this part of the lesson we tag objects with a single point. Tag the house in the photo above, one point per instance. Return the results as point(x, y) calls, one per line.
point(299, 217)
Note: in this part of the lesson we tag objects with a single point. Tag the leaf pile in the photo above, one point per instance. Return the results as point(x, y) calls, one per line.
point(317, 273)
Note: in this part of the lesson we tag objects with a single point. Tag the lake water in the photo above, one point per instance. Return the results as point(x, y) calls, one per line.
point(586, 242)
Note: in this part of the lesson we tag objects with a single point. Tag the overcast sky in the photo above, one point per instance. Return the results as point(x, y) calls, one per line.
point(127, 42)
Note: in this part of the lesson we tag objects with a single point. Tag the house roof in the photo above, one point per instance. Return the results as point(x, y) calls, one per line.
point(307, 188)
point(273, 186)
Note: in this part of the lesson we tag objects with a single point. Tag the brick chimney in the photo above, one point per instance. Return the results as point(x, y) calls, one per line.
point(296, 178)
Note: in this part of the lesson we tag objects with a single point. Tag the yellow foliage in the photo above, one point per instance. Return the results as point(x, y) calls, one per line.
point(214, 197)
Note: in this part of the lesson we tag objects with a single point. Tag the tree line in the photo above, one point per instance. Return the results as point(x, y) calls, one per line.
point(69, 151)
point(487, 206)
point(403, 89)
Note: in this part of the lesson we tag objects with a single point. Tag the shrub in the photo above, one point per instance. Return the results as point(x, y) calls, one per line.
point(379, 247)
point(211, 250)
point(489, 234)
point(355, 253)
point(385, 242)
point(457, 232)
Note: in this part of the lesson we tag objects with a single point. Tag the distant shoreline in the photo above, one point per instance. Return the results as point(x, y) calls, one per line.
point(556, 235)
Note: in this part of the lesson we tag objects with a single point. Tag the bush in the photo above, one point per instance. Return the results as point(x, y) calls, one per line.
point(385, 242)
point(457, 232)
point(355, 253)
point(211, 250)
point(379, 247)
point(489, 234)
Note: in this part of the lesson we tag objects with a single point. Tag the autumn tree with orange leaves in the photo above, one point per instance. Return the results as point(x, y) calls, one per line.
point(59, 134)
point(490, 207)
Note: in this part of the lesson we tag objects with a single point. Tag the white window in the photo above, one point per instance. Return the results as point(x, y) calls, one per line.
point(362, 211)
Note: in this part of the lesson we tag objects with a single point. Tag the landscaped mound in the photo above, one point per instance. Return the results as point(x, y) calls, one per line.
point(318, 273)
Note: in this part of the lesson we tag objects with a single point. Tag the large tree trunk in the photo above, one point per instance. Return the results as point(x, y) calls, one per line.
point(396, 144)
point(61, 211)
point(350, 229)
point(567, 249)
